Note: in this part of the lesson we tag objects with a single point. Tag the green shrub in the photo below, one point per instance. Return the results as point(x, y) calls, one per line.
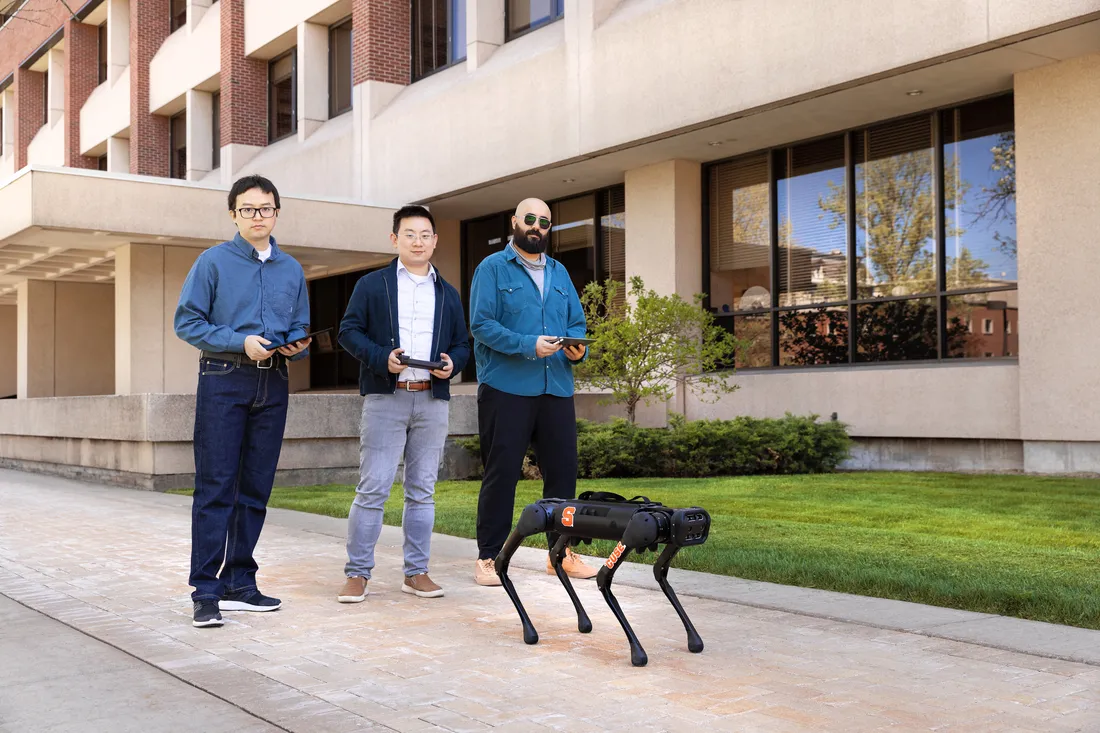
point(738, 447)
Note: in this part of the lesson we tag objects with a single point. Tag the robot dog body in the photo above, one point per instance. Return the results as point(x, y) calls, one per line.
point(637, 524)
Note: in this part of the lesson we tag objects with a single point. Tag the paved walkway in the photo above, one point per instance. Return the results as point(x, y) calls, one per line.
point(112, 563)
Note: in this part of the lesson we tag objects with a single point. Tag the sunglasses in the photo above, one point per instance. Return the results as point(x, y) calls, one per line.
point(530, 220)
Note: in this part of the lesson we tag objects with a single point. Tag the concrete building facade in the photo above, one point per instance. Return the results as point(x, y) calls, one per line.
point(892, 203)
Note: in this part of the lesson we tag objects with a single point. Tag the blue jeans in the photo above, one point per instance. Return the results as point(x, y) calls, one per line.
point(240, 413)
point(409, 424)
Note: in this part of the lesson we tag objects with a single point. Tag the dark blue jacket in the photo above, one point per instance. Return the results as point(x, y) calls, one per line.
point(369, 331)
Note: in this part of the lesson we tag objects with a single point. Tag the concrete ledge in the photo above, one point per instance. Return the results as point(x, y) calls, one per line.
point(1042, 456)
point(931, 454)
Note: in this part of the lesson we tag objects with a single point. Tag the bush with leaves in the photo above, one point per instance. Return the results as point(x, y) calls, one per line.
point(743, 446)
point(646, 343)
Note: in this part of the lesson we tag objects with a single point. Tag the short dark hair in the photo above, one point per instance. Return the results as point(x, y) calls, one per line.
point(412, 211)
point(247, 184)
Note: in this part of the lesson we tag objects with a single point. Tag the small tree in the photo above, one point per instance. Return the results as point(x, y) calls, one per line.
point(647, 343)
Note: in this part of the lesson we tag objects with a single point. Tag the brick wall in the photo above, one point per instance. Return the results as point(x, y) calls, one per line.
point(380, 50)
point(243, 83)
point(81, 79)
point(149, 25)
point(30, 99)
point(33, 24)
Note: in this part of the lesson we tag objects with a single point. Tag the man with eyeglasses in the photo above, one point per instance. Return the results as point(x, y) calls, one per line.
point(240, 297)
point(521, 303)
point(403, 311)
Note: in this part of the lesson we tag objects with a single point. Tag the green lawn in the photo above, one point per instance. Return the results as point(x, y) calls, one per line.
point(1014, 545)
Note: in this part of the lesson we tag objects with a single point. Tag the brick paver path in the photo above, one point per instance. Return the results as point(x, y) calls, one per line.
point(113, 564)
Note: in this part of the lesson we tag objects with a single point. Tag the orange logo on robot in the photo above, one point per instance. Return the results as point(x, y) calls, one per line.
point(615, 555)
point(567, 516)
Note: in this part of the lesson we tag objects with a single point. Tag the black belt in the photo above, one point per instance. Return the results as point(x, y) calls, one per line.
point(238, 360)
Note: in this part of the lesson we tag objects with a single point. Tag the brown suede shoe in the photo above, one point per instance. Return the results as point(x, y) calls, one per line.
point(573, 566)
point(421, 586)
point(485, 573)
point(354, 590)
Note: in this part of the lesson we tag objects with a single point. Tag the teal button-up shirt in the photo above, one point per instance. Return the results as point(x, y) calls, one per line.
point(507, 316)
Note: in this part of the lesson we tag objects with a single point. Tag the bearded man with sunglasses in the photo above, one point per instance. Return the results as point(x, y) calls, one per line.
point(239, 297)
point(521, 303)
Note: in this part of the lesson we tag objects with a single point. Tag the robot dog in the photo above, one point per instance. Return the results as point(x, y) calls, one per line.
point(638, 524)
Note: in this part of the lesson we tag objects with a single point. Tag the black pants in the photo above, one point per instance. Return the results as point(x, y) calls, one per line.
point(508, 424)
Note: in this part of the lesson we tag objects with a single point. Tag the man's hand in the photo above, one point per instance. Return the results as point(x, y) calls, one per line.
point(575, 353)
point(394, 365)
point(546, 346)
point(254, 348)
point(295, 348)
point(445, 372)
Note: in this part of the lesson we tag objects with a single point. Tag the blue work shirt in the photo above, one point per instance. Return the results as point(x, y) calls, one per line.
point(507, 316)
point(230, 294)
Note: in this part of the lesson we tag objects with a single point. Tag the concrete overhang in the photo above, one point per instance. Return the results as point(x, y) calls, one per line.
point(944, 81)
point(64, 223)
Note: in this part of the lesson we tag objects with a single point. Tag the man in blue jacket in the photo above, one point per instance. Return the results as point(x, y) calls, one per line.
point(521, 301)
point(239, 297)
point(405, 308)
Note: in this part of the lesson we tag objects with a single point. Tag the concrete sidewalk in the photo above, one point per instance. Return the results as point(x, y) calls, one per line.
point(112, 563)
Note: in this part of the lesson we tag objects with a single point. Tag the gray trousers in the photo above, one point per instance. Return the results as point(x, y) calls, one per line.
point(413, 424)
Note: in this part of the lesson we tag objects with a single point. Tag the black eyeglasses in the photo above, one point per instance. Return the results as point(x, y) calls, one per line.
point(530, 220)
point(248, 212)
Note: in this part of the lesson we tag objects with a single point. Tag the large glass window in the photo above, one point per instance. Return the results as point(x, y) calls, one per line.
point(282, 96)
point(178, 8)
point(891, 243)
point(177, 133)
point(439, 35)
point(102, 53)
point(525, 15)
point(339, 69)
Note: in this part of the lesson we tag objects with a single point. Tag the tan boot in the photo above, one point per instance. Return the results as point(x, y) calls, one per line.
point(573, 566)
point(354, 590)
point(485, 573)
point(421, 586)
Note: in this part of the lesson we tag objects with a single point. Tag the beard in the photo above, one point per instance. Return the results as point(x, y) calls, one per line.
point(532, 241)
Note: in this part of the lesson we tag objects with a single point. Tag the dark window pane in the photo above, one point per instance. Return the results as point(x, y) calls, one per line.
point(983, 323)
point(524, 15)
point(340, 81)
point(613, 238)
point(573, 238)
point(283, 118)
point(980, 194)
point(101, 162)
point(740, 276)
point(216, 111)
point(179, 14)
point(895, 209)
point(813, 336)
point(45, 97)
point(102, 53)
point(756, 332)
point(897, 330)
point(812, 202)
point(178, 143)
point(439, 34)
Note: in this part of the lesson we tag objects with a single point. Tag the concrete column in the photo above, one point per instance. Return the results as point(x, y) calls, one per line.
point(9, 357)
point(35, 338)
point(312, 78)
point(180, 358)
point(118, 155)
point(64, 339)
point(484, 30)
point(139, 319)
point(1058, 154)
point(200, 134)
point(7, 101)
point(664, 227)
point(196, 9)
point(118, 38)
point(55, 93)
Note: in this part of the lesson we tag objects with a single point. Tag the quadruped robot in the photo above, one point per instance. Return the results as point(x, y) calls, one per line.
point(638, 524)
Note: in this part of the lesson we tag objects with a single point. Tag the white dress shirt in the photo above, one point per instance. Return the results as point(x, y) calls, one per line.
point(415, 318)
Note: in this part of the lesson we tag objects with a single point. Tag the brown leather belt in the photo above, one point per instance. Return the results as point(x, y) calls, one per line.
point(418, 386)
